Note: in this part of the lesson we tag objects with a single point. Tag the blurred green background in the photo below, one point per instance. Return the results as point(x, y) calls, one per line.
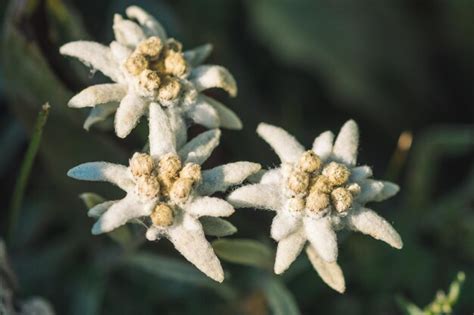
point(306, 65)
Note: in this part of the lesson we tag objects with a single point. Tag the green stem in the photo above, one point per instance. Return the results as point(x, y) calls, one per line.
point(26, 165)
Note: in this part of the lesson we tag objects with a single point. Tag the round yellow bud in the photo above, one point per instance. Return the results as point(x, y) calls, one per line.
point(310, 162)
point(169, 89)
point(321, 184)
point(136, 63)
point(162, 215)
point(341, 199)
point(181, 189)
point(298, 181)
point(147, 187)
point(149, 80)
point(169, 165)
point(141, 164)
point(317, 201)
point(191, 171)
point(174, 63)
point(337, 173)
point(151, 47)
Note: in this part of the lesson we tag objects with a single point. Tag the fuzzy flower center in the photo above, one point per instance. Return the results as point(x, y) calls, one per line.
point(167, 181)
point(158, 66)
point(315, 185)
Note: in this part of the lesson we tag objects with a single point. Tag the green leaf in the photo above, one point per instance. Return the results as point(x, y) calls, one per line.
point(89, 290)
point(279, 298)
point(244, 252)
point(407, 307)
point(455, 288)
point(122, 236)
point(175, 270)
point(217, 226)
point(91, 199)
point(26, 165)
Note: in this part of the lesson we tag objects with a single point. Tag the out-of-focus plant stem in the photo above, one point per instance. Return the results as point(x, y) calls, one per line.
point(399, 156)
point(26, 165)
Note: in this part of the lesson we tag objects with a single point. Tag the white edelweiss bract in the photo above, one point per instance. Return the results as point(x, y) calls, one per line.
point(315, 193)
point(167, 191)
point(148, 67)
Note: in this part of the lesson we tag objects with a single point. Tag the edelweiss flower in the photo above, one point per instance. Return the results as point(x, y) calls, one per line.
point(315, 193)
point(148, 67)
point(168, 192)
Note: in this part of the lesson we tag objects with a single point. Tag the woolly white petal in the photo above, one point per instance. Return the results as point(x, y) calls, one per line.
point(284, 224)
point(99, 209)
point(212, 76)
point(347, 143)
point(322, 145)
point(205, 115)
point(178, 126)
point(210, 206)
point(370, 189)
point(120, 52)
point(127, 32)
point(99, 113)
point(331, 273)
point(321, 235)
point(288, 250)
point(162, 139)
point(98, 94)
point(196, 56)
point(360, 173)
point(103, 171)
point(271, 176)
point(368, 222)
point(260, 196)
point(120, 213)
point(285, 145)
point(131, 109)
point(222, 177)
point(190, 241)
point(201, 147)
point(150, 25)
point(228, 119)
point(94, 55)
point(389, 190)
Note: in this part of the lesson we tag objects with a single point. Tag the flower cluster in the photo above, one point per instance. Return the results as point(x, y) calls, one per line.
point(148, 67)
point(166, 190)
point(314, 192)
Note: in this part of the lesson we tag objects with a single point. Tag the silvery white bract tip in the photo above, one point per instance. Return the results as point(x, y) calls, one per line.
point(315, 193)
point(168, 192)
point(148, 67)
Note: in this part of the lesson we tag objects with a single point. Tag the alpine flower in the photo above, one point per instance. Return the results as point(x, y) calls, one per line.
point(147, 67)
point(167, 191)
point(315, 193)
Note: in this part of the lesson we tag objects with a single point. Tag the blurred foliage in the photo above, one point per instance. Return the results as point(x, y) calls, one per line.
point(307, 65)
point(442, 304)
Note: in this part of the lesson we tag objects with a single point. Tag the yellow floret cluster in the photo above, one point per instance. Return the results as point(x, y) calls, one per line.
point(315, 186)
point(158, 67)
point(167, 180)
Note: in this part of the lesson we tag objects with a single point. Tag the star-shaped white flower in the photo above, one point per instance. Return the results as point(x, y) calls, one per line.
point(167, 191)
point(316, 193)
point(148, 67)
